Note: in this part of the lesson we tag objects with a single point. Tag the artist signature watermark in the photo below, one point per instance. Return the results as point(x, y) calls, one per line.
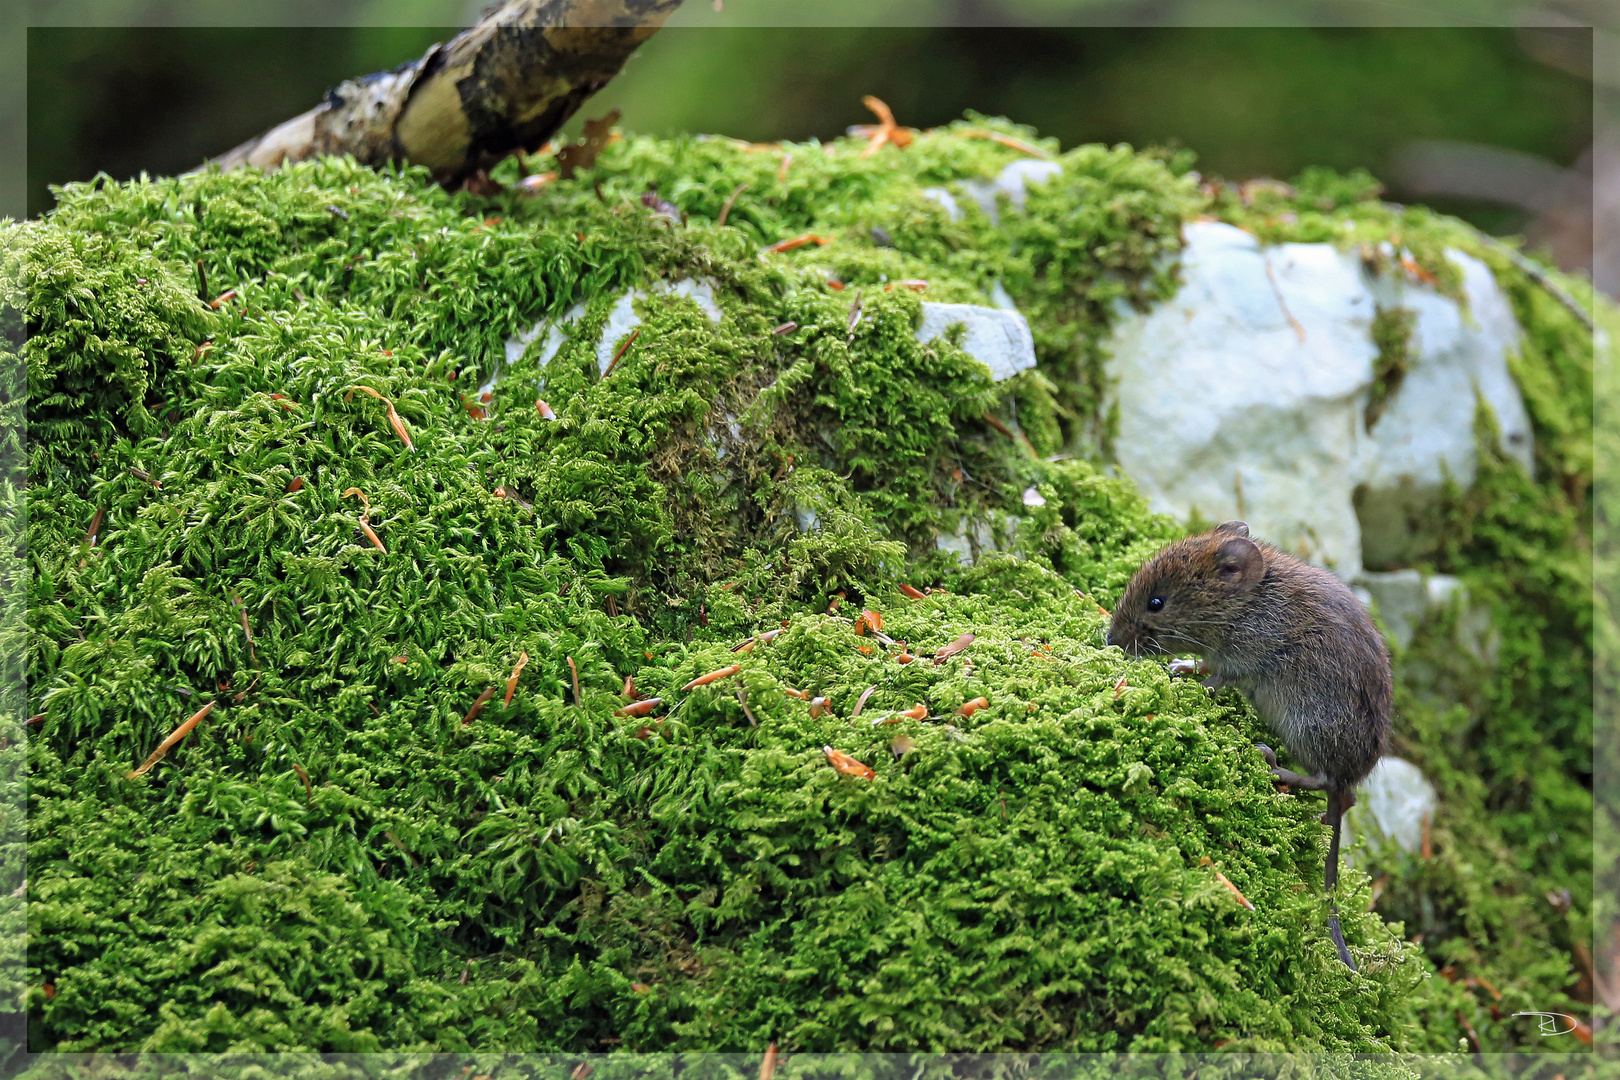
point(1553, 1023)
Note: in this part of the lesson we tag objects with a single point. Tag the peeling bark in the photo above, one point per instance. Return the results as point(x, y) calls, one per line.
point(509, 83)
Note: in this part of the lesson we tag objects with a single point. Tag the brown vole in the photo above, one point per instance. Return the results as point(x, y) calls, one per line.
point(1292, 638)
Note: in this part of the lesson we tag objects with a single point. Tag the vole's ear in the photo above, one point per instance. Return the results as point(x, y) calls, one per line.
point(1238, 563)
point(1236, 528)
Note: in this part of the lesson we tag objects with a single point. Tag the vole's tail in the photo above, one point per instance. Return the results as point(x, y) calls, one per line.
point(1335, 812)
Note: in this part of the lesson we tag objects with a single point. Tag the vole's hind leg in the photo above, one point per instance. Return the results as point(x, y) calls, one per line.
point(1319, 782)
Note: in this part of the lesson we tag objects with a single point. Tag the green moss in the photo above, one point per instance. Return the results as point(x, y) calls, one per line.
point(340, 861)
point(1392, 335)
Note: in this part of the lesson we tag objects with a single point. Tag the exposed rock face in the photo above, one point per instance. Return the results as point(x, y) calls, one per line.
point(1246, 396)
point(1395, 802)
point(998, 338)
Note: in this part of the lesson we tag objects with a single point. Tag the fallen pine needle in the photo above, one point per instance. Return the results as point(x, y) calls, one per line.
point(742, 699)
point(394, 420)
point(631, 340)
point(175, 736)
point(511, 684)
point(1007, 140)
point(478, 706)
point(309, 792)
point(574, 668)
point(639, 708)
point(706, 679)
point(846, 764)
point(767, 1067)
point(799, 241)
point(1220, 877)
point(371, 535)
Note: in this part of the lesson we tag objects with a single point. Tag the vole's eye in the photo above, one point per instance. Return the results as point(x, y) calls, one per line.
point(1156, 604)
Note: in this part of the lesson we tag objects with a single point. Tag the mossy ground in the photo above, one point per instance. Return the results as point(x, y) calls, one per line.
point(336, 860)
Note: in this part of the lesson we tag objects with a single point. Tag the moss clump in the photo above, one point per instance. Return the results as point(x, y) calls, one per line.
point(344, 857)
point(1392, 335)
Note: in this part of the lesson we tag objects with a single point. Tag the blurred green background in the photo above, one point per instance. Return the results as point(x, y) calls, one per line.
point(1417, 107)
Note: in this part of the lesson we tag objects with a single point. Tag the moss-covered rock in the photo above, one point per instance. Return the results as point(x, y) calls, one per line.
point(349, 853)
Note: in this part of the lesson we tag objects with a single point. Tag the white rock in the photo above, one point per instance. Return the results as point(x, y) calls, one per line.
point(997, 338)
point(1000, 297)
point(1012, 182)
point(945, 199)
point(621, 320)
point(1245, 395)
point(1393, 802)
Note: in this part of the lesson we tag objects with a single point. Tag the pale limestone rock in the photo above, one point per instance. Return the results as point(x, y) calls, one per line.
point(1244, 396)
point(995, 337)
point(1393, 803)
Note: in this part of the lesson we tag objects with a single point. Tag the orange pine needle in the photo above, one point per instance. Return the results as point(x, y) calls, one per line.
point(869, 620)
point(394, 420)
point(798, 242)
point(846, 764)
point(575, 669)
point(1220, 877)
point(919, 711)
point(223, 298)
point(904, 658)
point(767, 1067)
point(1119, 687)
point(371, 535)
point(511, 684)
point(818, 706)
point(639, 708)
point(974, 706)
point(781, 174)
point(545, 410)
point(706, 679)
point(912, 592)
point(478, 706)
point(800, 694)
point(631, 340)
point(174, 736)
point(885, 130)
point(297, 484)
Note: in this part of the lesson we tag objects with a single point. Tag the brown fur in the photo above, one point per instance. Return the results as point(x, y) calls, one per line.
point(1294, 639)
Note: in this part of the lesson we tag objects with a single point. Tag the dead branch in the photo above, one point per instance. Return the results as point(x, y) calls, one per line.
point(507, 84)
